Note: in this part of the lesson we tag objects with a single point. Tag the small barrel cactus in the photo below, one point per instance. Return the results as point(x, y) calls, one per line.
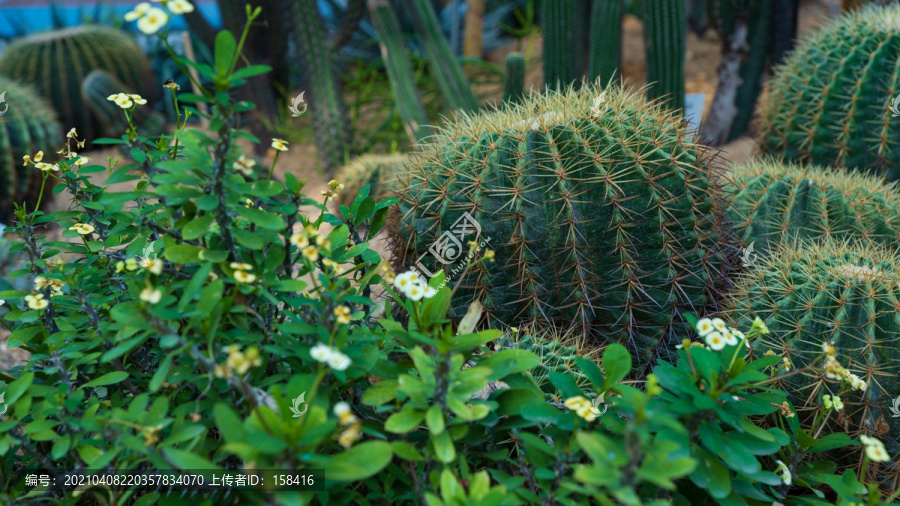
point(383, 174)
point(57, 62)
point(555, 357)
point(601, 211)
point(832, 101)
point(774, 203)
point(845, 293)
point(27, 125)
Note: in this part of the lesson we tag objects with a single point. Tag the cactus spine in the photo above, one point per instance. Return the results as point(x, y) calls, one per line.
point(774, 203)
point(57, 62)
point(443, 63)
point(398, 67)
point(514, 88)
point(665, 28)
point(604, 215)
point(332, 125)
point(830, 102)
point(27, 126)
point(847, 294)
point(558, 22)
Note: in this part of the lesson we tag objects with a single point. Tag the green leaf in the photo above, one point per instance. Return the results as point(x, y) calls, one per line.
point(188, 460)
point(443, 447)
point(406, 451)
point(18, 387)
point(247, 239)
point(616, 364)
point(183, 254)
point(506, 362)
point(225, 47)
point(107, 379)
point(262, 218)
point(160, 375)
point(198, 227)
point(710, 474)
point(405, 420)
point(361, 461)
point(380, 393)
point(366, 208)
point(23, 336)
point(435, 420)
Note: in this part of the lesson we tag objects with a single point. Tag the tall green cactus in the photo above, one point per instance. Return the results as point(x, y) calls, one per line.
point(441, 61)
point(842, 293)
point(602, 214)
point(774, 203)
point(558, 18)
point(606, 38)
point(27, 125)
point(331, 122)
point(831, 101)
point(398, 67)
point(514, 88)
point(665, 28)
point(57, 62)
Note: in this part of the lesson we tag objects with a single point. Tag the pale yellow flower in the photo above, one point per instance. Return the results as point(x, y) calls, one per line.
point(180, 6)
point(489, 254)
point(122, 100)
point(82, 228)
point(36, 301)
point(704, 327)
point(342, 313)
point(240, 266)
point(139, 10)
point(152, 264)
point(47, 167)
point(151, 295)
point(131, 264)
point(299, 240)
point(311, 253)
point(280, 144)
point(830, 403)
point(72, 134)
point(244, 277)
point(245, 165)
point(152, 20)
point(715, 340)
point(137, 99)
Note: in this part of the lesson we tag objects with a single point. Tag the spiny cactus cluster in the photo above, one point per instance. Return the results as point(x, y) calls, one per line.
point(601, 211)
point(830, 102)
point(555, 357)
point(774, 203)
point(383, 173)
point(57, 62)
point(843, 293)
point(28, 125)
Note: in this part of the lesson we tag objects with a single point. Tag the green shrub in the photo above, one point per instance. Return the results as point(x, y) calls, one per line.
point(57, 62)
point(602, 213)
point(829, 102)
point(382, 173)
point(27, 124)
point(774, 203)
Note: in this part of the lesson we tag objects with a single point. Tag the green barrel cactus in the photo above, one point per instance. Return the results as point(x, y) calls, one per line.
point(57, 62)
point(602, 212)
point(27, 125)
point(772, 203)
point(846, 293)
point(383, 174)
point(831, 101)
point(555, 357)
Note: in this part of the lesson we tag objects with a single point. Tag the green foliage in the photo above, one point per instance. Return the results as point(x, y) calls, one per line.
point(382, 173)
point(841, 293)
point(57, 62)
point(444, 65)
point(398, 67)
point(603, 216)
point(318, 60)
point(27, 125)
point(666, 32)
point(96, 88)
point(554, 357)
point(514, 86)
point(773, 203)
point(830, 101)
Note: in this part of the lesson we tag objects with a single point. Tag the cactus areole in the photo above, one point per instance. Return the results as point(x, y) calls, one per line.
point(602, 213)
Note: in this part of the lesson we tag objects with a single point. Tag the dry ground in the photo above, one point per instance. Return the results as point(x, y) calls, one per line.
point(703, 56)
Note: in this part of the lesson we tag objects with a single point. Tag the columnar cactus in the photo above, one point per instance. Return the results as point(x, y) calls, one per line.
point(842, 293)
point(514, 87)
point(774, 203)
point(383, 174)
point(602, 212)
point(665, 28)
point(57, 62)
point(831, 102)
point(555, 357)
point(558, 19)
point(27, 125)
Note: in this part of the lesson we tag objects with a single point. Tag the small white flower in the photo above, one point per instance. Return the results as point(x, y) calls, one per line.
point(180, 6)
point(338, 361)
point(341, 408)
point(321, 352)
point(715, 340)
point(152, 20)
point(704, 327)
point(785, 472)
point(151, 295)
point(416, 292)
point(138, 11)
point(430, 292)
point(731, 339)
point(719, 324)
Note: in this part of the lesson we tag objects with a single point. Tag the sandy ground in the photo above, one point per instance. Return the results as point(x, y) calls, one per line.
point(703, 56)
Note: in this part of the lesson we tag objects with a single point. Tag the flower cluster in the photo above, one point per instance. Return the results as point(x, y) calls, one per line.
point(413, 286)
point(126, 100)
point(36, 161)
point(834, 370)
point(303, 241)
point(717, 334)
point(36, 301)
point(245, 165)
point(874, 449)
point(836, 403)
point(82, 228)
point(347, 419)
point(334, 187)
point(331, 356)
point(582, 407)
point(55, 285)
point(342, 314)
point(151, 19)
point(240, 272)
point(238, 362)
